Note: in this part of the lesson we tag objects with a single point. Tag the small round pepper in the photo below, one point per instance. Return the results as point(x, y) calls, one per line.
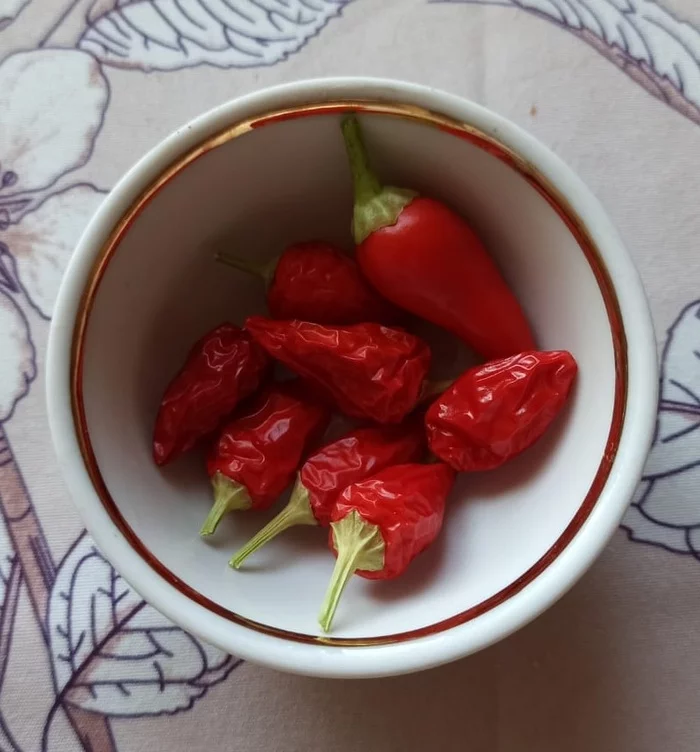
point(379, 525)
point(258, 452)
point(224, 367)
point(315, 281)
point(495, 411)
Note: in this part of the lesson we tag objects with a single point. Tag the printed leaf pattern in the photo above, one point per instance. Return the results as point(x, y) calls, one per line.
point(666, 511)
point(114, 654)
point(677, 445)
point(172, 34)
point(646, 41)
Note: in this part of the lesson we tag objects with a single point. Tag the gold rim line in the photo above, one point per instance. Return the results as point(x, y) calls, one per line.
point(408, 112)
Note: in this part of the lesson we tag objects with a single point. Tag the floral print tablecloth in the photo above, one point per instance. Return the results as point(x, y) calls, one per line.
point(86, 86)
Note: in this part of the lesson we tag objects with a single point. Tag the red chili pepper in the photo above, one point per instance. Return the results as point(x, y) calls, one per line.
point(223, 368)
point(328, 471)
point(258, 453)
point(495, 411)
point(370, 371)
point(379, 525)
point(317, 282)
point(423, 257)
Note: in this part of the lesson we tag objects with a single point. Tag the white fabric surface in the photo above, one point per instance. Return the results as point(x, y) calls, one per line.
point(613, 86)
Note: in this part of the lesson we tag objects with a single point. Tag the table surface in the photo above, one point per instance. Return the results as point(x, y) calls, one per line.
point(613, 86)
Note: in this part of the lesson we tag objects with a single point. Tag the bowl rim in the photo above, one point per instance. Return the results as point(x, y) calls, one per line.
point(623, 458)
point(411, 113)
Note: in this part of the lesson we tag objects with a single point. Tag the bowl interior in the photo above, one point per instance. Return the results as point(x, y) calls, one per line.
point(257, 192)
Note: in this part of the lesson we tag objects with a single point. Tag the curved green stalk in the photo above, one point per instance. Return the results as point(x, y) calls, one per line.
point(376, 206)
point(228, 497)
point(297, 512)
point(359, 545)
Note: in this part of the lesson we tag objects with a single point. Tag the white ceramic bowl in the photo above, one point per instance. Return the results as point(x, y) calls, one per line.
point(269, 169)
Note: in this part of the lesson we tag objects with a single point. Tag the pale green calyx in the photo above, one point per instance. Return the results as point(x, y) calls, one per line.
point(297, 512)
point(376, 206)
point(379, 211)
point(359, 545)
point(229, 496)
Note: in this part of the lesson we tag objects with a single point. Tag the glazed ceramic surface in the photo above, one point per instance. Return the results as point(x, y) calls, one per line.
point(255, 175)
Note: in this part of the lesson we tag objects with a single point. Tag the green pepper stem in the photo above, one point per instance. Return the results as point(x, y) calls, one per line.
point(228, 497)
point(265, 271)
point(365, 183)
point(376, 206)
point(359, 545)
point(297, 512)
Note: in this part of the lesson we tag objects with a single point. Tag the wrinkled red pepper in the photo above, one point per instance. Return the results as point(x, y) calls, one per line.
point(379, 525)
point(369, 371)
point(423, 257)
point(317, 282)
point(258, 452)
point(224, 367)
point(328, 471)
point(495, 411)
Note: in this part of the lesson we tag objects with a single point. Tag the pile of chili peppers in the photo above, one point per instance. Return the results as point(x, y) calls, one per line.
point(382, 488)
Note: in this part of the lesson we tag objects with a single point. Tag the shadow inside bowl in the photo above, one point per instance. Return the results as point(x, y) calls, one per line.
point(517, 472)
point(418, 577)
point(292, 545)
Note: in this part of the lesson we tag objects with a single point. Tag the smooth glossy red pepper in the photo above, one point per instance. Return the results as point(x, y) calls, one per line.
point(315, 281)
point(258, 453)
point(328, 471)
point(369, 371)
point(379, 525)
point(223, 368)
point(495, 411)
point(423, 257)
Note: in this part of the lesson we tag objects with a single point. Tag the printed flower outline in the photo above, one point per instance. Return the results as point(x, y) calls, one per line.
point(9, 10)
point(665, 511)
point(43, 139)
point(17, 355)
